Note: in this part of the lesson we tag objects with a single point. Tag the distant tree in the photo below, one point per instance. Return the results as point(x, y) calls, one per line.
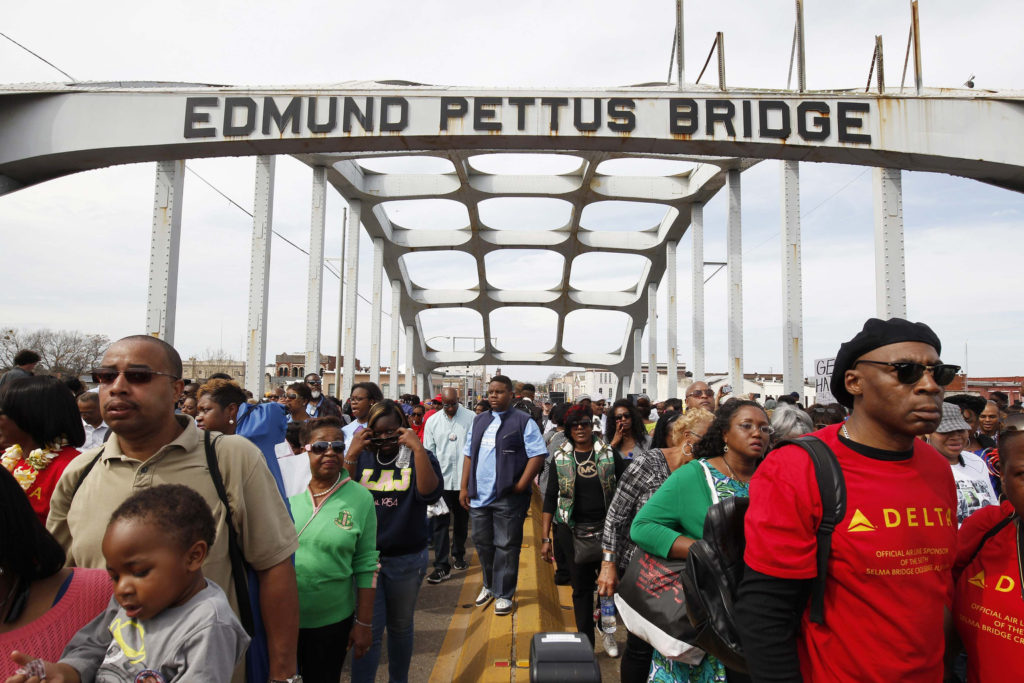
point(68, 353)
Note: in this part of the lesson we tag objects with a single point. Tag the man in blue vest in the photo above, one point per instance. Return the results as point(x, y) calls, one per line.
point(503, 455)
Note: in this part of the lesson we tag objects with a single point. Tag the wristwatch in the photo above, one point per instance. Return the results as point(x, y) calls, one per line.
point(293, 679)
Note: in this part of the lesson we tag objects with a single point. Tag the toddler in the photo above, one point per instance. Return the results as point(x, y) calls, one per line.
point(165, 622)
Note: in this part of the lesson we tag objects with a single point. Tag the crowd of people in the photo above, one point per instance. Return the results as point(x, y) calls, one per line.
point(155, 530)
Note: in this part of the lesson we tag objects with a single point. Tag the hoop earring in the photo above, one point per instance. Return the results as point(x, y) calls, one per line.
point(725, 449)
point(688, 450)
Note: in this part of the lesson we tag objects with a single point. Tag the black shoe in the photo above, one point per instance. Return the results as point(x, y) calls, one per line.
point(461, 565)
point(439, 575)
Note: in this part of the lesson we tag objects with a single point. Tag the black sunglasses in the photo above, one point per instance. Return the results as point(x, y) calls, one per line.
point(378, 441)
point(291, 396)
point(622, 417)
point(697, 392)
point(910, 373)
point(574, 425)
point(321, 447)
point(314, 381)
point(133, 376)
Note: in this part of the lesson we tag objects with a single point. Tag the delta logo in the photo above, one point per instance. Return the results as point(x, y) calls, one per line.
point(860, 522)
point(1004, 585)
point(911, 517)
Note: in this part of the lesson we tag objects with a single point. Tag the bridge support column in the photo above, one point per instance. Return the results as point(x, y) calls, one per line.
point(890, 271)
point(259, 274)
point(410, 373)
point(162, 298)
point(351, 289)
point(673, 350)
point(339, 387)
point(378, 302)
point(315, 279)
point(623, 388)
point(638, 334)
point(734, 251)
point(396, 324)
point(792, 282)
point(697, 288)
point(652, 341)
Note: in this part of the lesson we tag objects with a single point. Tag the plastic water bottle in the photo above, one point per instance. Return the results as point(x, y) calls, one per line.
point(404, 457)
point(607, 615)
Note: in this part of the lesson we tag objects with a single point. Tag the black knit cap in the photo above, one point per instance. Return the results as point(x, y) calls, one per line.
point(876, 333)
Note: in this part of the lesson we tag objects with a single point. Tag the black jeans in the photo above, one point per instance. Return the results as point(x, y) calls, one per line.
point(440, 542)
point(583, 579)
point(636, 660)
point(561, 564)
point(322, 651)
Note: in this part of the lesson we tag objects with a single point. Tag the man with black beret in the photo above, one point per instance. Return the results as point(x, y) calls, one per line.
point(889, 571)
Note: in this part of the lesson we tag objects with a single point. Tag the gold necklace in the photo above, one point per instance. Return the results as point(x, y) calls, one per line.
point(733, 474)
point(586, 468)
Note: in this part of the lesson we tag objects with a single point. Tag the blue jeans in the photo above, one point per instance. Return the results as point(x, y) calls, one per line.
point(398, 584)
point(498, 537)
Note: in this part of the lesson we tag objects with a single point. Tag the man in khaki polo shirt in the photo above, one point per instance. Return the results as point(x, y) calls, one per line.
point(140, 381)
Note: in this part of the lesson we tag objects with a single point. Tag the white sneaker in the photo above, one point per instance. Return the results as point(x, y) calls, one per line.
point(484, 597)
point(610, 646)
point(502, 607)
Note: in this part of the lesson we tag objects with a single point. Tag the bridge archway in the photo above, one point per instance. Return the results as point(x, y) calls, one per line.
point(723, 133)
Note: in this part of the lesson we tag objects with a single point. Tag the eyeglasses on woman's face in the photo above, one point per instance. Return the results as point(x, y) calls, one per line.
point(622, 416)
point(750, 427)
point(291, 397)
point(321, 447)
point(580, 425)
point(381, 441)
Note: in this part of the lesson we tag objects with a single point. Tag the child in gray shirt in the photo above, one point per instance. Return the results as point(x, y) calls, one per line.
point(165, 622)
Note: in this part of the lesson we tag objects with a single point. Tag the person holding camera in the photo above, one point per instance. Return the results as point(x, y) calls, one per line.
point(404, 477)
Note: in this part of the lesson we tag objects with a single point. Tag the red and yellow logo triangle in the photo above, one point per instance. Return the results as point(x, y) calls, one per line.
point(860, 522)
point(978, 579)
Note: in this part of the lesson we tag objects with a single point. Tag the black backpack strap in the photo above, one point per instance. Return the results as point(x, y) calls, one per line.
point(85, 473)
point(238, 573)
point(832, 488)
point(989, 534)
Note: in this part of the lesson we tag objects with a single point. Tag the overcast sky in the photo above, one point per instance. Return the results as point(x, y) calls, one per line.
point(76, 249)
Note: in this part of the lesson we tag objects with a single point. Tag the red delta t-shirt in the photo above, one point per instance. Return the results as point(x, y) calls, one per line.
point(889, 572)
point(988, 609)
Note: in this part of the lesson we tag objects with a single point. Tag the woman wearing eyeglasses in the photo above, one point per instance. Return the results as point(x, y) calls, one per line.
point(40, 432)
point(296, 397)
point(416, 421)
point(579, 490)
point(336, 563)
point(404, 478)
point(642, 478)
point(725, 460)
point(625, 431)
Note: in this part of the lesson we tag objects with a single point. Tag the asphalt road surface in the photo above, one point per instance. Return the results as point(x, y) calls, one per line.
point(434, 608)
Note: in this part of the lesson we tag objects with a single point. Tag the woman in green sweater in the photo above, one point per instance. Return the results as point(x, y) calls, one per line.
point(337, 526)
point(724, 461)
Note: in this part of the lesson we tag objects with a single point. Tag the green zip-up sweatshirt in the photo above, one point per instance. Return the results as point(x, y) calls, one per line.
point(340, 542)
